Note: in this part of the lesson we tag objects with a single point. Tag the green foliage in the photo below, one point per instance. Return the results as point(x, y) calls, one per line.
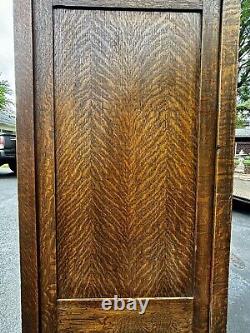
point(243, 87)
point(247, 162)
point(244, 52)
point(5, 92)
point(244, 105)
point(240, 119)
point(243, 112)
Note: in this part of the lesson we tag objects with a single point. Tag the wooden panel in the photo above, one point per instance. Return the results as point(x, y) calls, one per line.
point(143, 4)
point(26, 165)
point(171, 316)
point(126, 89)
point(126, 113)
point(225, 165)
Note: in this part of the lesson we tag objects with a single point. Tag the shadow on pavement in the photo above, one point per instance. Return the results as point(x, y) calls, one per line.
point(241, 204)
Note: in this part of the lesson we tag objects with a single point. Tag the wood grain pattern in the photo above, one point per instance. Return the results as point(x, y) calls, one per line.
point(143, 4)
point(116, 161)
point(45, 164)
point(26, 165)
point(224, 165)
point(126, 174)
point(171, 316)
point(206, 164)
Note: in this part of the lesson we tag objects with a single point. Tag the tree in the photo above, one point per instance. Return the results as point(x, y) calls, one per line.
point(240, 120)
point(5, 92)
point(243, 87)
point(243, 112)
point(244, 53)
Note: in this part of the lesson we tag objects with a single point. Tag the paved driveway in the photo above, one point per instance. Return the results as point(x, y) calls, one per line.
point(239, 286)
point(242, 186)
point(239, 300)
point(9, 255)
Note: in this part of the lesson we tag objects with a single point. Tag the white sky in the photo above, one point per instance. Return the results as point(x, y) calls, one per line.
point(7, 43)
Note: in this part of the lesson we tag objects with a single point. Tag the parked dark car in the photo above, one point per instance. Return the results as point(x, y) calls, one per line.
point(8, 150)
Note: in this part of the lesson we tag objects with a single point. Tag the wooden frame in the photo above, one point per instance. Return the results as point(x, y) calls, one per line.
point(26, 165)
point(36, 155)
point(224, 165)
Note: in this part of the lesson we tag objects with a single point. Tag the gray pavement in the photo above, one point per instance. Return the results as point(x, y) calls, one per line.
point(239, 284)
point(242, 187)
point(9, 255)
point(239, 295)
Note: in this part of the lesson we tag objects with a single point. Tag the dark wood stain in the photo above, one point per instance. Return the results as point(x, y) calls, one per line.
point(45, 163)
point(125, 188)
point(26, 166)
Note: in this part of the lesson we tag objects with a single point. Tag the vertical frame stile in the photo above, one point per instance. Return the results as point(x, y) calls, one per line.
point(206, 164)
point(44, 122)
point(224, 165)
point(26, 164)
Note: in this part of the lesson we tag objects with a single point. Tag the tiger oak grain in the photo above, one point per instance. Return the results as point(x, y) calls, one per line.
point(126, 185)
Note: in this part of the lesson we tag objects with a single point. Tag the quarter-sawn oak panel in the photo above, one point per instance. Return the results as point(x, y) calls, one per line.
point(162, 316)
point(126, 122)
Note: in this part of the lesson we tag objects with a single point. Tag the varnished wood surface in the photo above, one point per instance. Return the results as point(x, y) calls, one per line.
point(166, 316)
point(126, 173)
point(206, 162)
point(26, 165)
point(224, 165)
point(130, 4)
point(85, 74)
point(45, 164)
